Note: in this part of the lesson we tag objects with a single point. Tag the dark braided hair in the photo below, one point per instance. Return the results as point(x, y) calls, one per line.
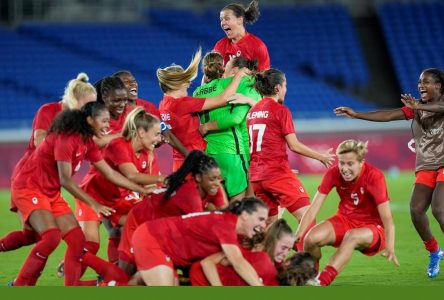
point(427, 122)
point(298, 270)
point(75, 121)
point(248, 204)
point(267, 81)
point(250, 14)
point(195, 163)
point(110, 84)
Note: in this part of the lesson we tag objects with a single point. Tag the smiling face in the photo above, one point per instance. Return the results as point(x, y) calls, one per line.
point(283, 246)
point(232, 25)
point(349, 166)
point(208, 183)
point(151, 137)
point(131, 86)
point(250, 224)
point(428, 87)
point(100, 123)
point(116, 101)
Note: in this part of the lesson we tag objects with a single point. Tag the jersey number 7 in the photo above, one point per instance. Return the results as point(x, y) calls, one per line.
point(261, 130)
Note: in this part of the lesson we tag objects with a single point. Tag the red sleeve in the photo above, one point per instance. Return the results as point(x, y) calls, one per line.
point(218, 48)
point(218, 199)
point(263, 58)
point(226, 230)
point(329, 180)
point(286, 121)
point(377, 187)
point(43, 118)
point(118, 152)
point(408, 112)
point(64, 147)
point(93, 153)
point(189, 105)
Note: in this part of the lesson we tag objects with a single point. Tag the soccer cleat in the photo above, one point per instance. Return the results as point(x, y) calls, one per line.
point(61, 269)
point(435, 258)
point(314, 281)
point(11, 283)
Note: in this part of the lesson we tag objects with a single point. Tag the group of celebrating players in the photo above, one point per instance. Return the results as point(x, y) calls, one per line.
point(215, 219)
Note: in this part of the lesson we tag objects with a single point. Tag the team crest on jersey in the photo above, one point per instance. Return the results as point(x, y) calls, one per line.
point(301, 189)
point(362, 190)
point(167, 258)
point(80, 212)
point(78, 166)
point(34, 200)
point(143, 164)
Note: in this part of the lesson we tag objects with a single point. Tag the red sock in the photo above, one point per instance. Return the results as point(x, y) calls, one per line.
point(93, 248)
point(328, 275)
point(75, 241)
point(299, 246)
point(431, 245)
point(18, 239)
point(108, 270)
point(36, 261)
point(113, 253)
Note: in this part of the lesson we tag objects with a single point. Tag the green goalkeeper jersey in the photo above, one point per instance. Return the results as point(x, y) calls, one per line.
point(232, 136)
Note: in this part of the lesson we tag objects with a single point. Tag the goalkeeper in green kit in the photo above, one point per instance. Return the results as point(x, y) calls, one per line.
point(225, 128)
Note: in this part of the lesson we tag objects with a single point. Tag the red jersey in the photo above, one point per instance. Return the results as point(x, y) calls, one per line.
point(148, 107)
point(182, 115)
point(268, 124)
point(249, 47)
point(359, 198)
point(260, 261)
point(41, 172)
point(42, 120)
point(116, 125)
point(194, 236)
point(119, 151)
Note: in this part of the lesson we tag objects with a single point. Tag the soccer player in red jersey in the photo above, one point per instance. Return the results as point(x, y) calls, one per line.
point(427, 119)
point(238, 41)
point(265, 256)
point(132, 88)
point(271, 129)
point(183, 195)
point(77, 93)
point(363, 221)
point(132, 156)
point(36, 188)
point(164, 244)
point(180, 111)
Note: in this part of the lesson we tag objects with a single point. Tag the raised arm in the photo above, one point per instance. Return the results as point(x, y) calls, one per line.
point(310, 215)
point(241, 265)
point(376, 116)
point(326, 158)
point(412, 103)
point(387, 220)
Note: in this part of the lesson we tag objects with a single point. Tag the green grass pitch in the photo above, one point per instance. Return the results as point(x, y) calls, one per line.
point(361, 271)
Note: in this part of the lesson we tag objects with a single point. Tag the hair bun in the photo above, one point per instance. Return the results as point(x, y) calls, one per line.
point(82, 77)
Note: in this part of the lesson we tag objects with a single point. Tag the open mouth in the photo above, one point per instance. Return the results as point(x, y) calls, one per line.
point(423, 94)
point(347, 175)
point(133, 92)
point(227, 29)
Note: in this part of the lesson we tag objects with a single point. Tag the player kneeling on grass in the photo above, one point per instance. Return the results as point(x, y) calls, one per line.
point(363, 221)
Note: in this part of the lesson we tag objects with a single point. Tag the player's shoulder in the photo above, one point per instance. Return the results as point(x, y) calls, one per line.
point(372, 172)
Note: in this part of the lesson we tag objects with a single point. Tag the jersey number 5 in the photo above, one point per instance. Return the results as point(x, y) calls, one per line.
point(355, 198)
point(261, 130)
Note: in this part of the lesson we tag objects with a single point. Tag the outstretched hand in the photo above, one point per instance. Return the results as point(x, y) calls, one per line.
point(328, 158)
point(102, 209)
point(344, 111)
point(409, 101)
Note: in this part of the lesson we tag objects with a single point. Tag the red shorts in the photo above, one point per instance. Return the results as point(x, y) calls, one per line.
point(27, 201)
point(430, 177)
point(342, 224)
point(285, 191)
point(197, 275)
point(126, 251)
point(85, 213)
point(147, 251)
